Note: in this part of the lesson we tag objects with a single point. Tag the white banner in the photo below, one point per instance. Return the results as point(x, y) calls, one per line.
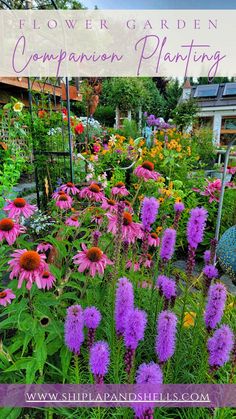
point(101, 43)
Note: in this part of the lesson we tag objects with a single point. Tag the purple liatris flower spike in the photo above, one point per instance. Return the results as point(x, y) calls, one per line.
point(167, 288)
point(99, 360)
point(149, 212)
point(196, 226)
point(92, 318)
point(166, 335)
point(74, 335)
point(147, 374)
point(124, 303)
point(134, 332)
point(215, 305)
point(207, 257)
point(219, 346)
point(179, 208)
point(209, 273)
point(168, 244)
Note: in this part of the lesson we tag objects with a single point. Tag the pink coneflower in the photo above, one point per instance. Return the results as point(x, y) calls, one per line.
point(19, 207)
point(72, 221)
point(120, 189)
point(28, 266)
point(47, 280)
point(69, 187)
point(109, 205)
point(64, 201)
point(146, 260)
point(44, 247)
point(97, 218)
point(135, 265)
point(92, 259)
point(92, 192)
point(130, 230)
point(153, 240)
point(9, 230)
point(146, 171)
point(6, 296)
point(56, 195)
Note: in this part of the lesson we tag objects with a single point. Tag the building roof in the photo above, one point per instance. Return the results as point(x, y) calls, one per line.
point(214, 95)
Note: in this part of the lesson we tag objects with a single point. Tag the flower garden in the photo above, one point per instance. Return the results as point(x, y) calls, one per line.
point(117, 279)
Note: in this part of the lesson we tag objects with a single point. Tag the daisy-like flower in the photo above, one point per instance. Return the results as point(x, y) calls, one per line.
point(9, 230)
point(64, 201)
point(72, 221)
point(98, 219)
point(47, 280)
point(56, 195)
point(130, 230)
point(153, 240)
point(146, 171)
point(69, 187)
point(18, 106)
point(44, 247)
point(92, 259)
point(28, 266)
point(6, 296)
point(135, 265)
point(92, 192)
point(19, 207)
point(120, 189)
point(109, 205)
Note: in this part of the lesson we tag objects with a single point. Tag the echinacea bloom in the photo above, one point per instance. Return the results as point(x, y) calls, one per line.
point(124, 303)
point(44, 247)
point(147, 374)
point(92, 192)
point(120, 189)
point(92, 259)
point(72, 221)
point(133, 265)
point(153, 240)
point(166, 335)
point(167, 286)
point(19, 207)
point(99, 361)
point(146, 171)
point(97, 218)
point(168, 244)
point(219, 346)
point(196, 226)
point(92, 319)
point(149, 212)
point(6, 296)
point(69, 187)
point(27, 265)
point(215, 305)
point(9, 230)
point(130, 230)
point(18, 106)
point(64, 201)
point(212, 190)
point(74, 324)
point(56, 195)
point(47, 280)
point(109, 205)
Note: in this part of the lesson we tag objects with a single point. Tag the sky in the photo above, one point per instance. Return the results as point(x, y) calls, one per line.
point(160, 4)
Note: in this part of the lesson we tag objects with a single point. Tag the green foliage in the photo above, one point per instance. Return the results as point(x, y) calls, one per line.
point(202, 143)
point(105, 115)
point(185, 114)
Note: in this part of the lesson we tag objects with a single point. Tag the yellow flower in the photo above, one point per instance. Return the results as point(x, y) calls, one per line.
point(161, 179)
point(161, 157)
point(161, 200)
point(178, 148)
point(18, 106)
point(178, 199)
point(189, 319)
point(159, 229)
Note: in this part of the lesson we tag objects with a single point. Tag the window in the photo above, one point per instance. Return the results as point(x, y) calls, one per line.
point(230, 89)
point(206, 90)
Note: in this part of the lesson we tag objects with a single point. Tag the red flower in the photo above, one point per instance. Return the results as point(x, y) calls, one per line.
point(64, 111)
point(42, 113)
point(79, 129)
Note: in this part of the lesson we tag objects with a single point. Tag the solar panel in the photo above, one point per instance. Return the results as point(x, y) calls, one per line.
point(230, 89)
point(207, 90)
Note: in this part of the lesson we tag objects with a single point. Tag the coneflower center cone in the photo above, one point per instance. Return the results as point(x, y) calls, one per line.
point(6, 224)
point(3, 294)
point(127, 219)
point(111, 202)
point(63, 197)
point(30, 260)
point(70, 184)
point(19, 202)
point(94, 254)
point(148, 165)
point(46, 275)
point(94, 187)
point(154, 235)
point(119, 185)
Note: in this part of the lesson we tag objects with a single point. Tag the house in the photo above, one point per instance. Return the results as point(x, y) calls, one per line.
point(217, 108)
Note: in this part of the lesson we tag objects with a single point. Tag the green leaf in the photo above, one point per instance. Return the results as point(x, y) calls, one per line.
point(31, 370)
point(41, 351)
point(65, 356)
point(20, 364)
point(10, 413)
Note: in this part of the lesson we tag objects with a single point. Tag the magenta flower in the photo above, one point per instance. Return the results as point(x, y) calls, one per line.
point(44, 247)
point(92, 318)
point(135, 325)
point(47, 280)
point(219, 346)
point(153, 240)
point(168, 244)
point(210, 272)
point(6, 296)
point(179, 207)
point(130, 230)
point(212, 190)
point(109, 205)
point(72, 221)
point(133, 265)
point(92, 259)
point(146, 171)
point(74, 324)
point(196, 226)
point(149, 212)
point(120, 189)
point(9, 230)
point(96, 235)
point(64, 201)
point(215, 305)
point(92, 192)
point(167, 287)
point(19, 207)
point(99, 361)
point(207, 257)
point(166, 335)
point(27, 265)
point(69, 187)
point(124, 303)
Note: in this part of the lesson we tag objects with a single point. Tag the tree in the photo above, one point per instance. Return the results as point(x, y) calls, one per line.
point(172, 95)
point(185, 114)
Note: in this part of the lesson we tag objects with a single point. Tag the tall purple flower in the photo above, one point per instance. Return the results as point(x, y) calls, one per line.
point(168, 244)
point(219, 346)
point(147, 374)
point(209, 273)
point(134, 332)
point(215, 305)
point(195, 231)
point(124, 303)
point(167, 288)
point(96, 235)
point(166, 335)
point(207, 257)
point(74, 335)
point(92, 318)
point(149, 212)
point(178, 208)
point(99, 360)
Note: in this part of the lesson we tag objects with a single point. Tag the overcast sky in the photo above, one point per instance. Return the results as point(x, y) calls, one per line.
point(161, 4)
